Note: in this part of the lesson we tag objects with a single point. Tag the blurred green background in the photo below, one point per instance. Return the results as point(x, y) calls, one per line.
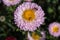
point(7, 26)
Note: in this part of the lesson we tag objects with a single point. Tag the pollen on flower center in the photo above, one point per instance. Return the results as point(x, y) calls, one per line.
point(55, 29)
point(28, 15)
point(35, 36)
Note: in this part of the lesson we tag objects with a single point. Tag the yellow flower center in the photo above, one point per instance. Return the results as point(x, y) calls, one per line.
point(35, 36)
point(55, 29)
point(29, 15)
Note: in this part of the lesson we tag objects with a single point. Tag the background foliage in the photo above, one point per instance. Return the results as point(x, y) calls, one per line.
point(7, 26)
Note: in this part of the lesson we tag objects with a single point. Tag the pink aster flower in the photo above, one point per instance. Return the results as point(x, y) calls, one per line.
point(11, 2)
point(29, 16)
point(43, 35)
point(54, 29)
point(35, 36)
